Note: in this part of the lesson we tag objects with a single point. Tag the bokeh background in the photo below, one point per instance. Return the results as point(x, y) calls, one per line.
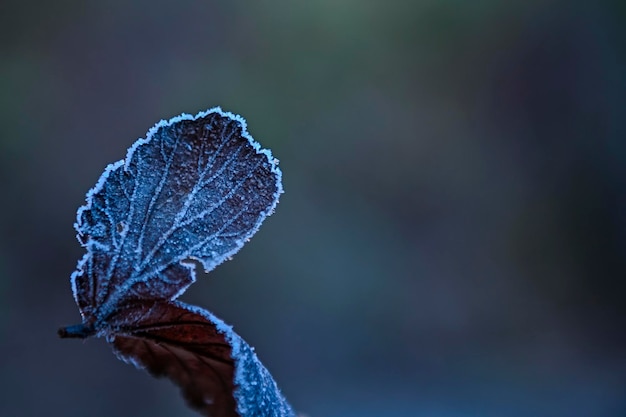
point(452, 238)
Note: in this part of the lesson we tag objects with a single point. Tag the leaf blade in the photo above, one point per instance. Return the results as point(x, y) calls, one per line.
point(217, 371)
point(151, 211)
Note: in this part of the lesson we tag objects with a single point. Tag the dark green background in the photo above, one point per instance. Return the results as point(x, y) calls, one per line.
point(452, 238)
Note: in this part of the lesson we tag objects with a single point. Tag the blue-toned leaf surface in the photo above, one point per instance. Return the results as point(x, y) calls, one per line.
point(196, 188)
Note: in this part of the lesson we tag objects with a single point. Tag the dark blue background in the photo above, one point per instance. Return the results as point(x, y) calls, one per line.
point(452, 238)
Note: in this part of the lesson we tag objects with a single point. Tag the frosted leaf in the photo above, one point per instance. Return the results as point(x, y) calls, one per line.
point(196, 188)
point(217, 371)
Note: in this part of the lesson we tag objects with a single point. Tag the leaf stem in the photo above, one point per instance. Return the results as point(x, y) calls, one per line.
point(77, 331)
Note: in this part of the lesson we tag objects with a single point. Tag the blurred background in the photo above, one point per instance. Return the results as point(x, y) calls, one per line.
point(452, 238)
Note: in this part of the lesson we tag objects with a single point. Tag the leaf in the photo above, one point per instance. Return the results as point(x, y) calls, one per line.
point(199, 353)
point(169, 339)
point(197, 188)
point(194, 188)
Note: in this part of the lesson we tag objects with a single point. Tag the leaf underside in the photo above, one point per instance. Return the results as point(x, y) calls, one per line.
point(218, 372)
point(168, 340)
